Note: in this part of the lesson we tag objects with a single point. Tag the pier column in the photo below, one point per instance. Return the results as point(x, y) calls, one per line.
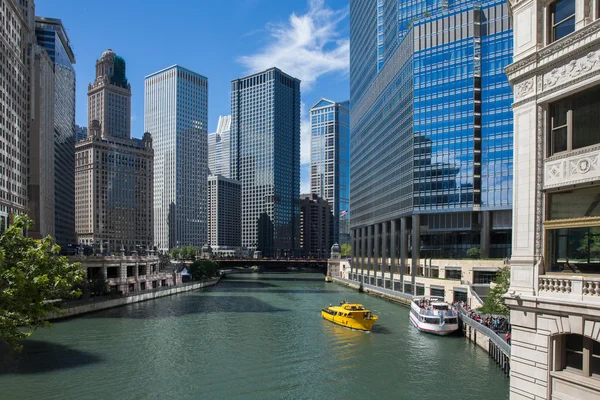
point(393, 250)
point(484, 245)
point(403, 248)
point(416, 250)
point(384, 252)
point(377, 263)
point(364, 252)
point(369, 251)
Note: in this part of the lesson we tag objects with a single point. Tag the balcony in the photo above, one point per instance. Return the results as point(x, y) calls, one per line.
point(577, 288)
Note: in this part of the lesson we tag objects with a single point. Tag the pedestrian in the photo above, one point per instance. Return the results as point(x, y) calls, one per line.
point(508, 337)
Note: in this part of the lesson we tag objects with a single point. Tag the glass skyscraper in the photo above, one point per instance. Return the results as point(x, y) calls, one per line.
point(219, 159)
point(176, 114)
point(265, 159)
point(431, 121)
point(52, 36)
point(330, 162)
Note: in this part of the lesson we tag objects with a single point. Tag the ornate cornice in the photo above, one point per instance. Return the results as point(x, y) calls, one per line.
point(573, 38)
point(572, 223)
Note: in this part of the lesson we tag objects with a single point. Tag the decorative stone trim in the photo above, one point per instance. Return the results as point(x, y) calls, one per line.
point(573, 169)
point(524, 89)
point(572, 223)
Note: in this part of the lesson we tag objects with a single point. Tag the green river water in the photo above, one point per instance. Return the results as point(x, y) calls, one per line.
point(253, 336)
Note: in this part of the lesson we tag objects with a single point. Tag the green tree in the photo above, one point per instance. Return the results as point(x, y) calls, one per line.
point(175, 253)
point(474, 252)
point(202, 269)
point(495, 304)
point(32, 274)
point(346, 250)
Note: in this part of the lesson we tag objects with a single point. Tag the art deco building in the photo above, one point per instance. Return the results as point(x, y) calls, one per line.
point(16, 30)
point(176, 114)
point(113, 173)
point(431, 144)
point(219, 159)
point(330, 161)
point(554, 293)
point(51, 35)
point(224, 213)
point(265, 143)
point(316, 226)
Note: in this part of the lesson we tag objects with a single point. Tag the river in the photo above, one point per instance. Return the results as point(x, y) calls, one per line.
point(253, 336)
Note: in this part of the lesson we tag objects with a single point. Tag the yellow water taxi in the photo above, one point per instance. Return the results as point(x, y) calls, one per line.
point(350, 315)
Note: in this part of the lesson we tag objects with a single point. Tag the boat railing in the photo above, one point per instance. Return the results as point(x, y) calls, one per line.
point(436, 313)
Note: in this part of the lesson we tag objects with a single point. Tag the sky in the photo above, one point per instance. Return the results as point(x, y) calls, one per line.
point(222, 40)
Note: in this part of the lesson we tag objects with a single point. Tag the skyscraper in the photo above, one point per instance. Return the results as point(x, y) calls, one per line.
point(176, 114)
point(316, 226)
point(15, 74)
point(330, 162)
point(265, 151)
point(113, 173)
point(41, 183)
point(431, 122)
point(224, 213)
point(51, 35)
point(80, 133)
point(219, 148)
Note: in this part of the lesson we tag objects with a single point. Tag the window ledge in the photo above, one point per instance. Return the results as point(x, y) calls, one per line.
point(566, 154)
point(587, 382)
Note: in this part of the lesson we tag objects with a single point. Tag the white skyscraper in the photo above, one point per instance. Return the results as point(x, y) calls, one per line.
point(218, 148)
point(176, 114)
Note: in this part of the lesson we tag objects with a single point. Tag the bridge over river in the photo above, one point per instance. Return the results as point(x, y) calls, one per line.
point(275, 264)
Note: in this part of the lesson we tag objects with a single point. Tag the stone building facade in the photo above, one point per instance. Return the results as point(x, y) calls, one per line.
point(554, 293)
point(113, 173)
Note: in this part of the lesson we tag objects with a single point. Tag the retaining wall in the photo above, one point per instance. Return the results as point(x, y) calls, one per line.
point(122, 301)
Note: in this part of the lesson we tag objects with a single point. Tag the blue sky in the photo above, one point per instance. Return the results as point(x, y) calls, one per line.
point(222, 40)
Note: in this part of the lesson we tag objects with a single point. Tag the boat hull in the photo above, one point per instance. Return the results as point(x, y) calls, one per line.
point(360, 325)
point(434, 329)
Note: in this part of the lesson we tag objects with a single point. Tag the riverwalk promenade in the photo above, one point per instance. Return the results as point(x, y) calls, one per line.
point(74, 308)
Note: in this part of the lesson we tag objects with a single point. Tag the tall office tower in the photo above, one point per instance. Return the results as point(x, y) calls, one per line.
point(40, 189)
point(80, 133)
point(109, 96)
point(176, 114)
point(224, 213)
point(316, 226)
point(113, 173)
point(431, 121)
point(555, 264)
point(330, 161)
point(219, 148)
point(51, 35)
point(265, 151)
point(15, 81)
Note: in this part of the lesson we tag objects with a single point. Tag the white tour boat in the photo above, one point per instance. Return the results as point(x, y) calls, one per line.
point(433, 315)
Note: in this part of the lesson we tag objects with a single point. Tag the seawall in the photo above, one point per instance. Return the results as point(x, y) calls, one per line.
point(90, 307)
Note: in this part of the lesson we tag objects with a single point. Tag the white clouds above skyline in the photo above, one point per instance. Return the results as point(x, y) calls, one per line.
point(306, 47)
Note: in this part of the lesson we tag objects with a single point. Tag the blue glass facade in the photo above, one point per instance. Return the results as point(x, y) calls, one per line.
point(265, 159)
point(330, 162)
point(51, 35)
point(432, 130)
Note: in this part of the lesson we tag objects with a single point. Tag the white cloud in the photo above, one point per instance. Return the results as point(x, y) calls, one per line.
point(306, 47)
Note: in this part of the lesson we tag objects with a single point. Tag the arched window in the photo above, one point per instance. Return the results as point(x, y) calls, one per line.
point(562, 19)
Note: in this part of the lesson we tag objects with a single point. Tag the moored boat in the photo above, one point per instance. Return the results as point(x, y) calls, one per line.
point(350, 315)
point(328, 278)
point(433, 315)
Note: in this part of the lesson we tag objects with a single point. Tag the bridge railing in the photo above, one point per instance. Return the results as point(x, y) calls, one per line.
point(490, 333)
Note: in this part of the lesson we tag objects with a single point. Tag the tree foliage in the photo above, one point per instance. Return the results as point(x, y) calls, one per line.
point(32, 274)
point(495, 304)
point(175, 253)
point(202, 269)
point(474, 252)
point(346, 250)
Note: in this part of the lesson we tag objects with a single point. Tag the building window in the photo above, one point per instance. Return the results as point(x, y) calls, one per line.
point(574, 122)
point(576, 354)
point(562, 18)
